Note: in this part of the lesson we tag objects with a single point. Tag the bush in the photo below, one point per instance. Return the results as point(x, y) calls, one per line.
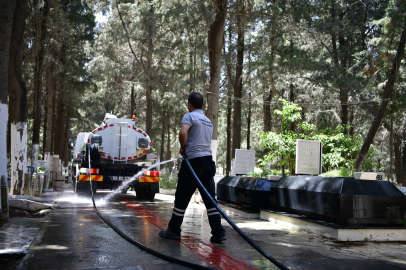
point(167, 182)
point(262, 173)
point(342, 172)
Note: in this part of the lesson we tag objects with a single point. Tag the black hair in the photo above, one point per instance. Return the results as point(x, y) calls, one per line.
point(196, 100)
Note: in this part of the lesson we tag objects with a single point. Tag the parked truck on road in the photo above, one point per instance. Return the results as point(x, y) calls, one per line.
point(113, 154)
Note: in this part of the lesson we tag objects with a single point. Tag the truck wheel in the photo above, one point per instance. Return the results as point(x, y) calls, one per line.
point(83, 189)
point(141, 193)
point(150, 195)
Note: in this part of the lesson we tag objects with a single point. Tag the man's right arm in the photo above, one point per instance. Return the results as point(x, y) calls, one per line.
point(183, 137)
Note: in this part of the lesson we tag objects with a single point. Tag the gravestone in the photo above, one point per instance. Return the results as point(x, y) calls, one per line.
point(308, 157)
point(244, 161)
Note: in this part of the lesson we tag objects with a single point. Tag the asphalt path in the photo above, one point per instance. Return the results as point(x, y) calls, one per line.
point(72, 236)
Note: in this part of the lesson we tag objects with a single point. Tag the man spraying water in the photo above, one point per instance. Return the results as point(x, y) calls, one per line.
point(194, 137)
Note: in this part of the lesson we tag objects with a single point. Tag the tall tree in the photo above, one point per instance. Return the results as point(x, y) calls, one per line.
point(6, 22)
point(238, 79)
point(387, 95)
point(18, 101)
point(40, 14)
point(214, 48)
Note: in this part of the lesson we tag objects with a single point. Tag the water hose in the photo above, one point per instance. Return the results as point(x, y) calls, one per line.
point(141, 246)
point(241, 233)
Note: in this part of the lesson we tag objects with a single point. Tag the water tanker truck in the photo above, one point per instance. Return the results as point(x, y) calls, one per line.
point(112, 155)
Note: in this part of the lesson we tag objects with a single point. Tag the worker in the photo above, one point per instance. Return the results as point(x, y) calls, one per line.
point(195, 139)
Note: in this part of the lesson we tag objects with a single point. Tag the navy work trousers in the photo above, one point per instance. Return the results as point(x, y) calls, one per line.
point(205, 169)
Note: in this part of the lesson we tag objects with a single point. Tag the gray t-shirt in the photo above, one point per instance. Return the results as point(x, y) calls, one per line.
point(199, 134)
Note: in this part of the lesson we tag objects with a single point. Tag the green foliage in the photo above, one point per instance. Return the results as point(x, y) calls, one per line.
point(339, 149)
point(167, 182)
point(262, 173)
point(282, 146)
point(41, 170)
point(341, 172)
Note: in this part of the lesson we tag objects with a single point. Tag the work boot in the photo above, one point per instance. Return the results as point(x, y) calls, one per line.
point(168, 234)
point(217, 239)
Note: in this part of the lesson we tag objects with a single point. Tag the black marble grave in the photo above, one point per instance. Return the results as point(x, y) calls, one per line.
point(245, 191)
point(344, 201)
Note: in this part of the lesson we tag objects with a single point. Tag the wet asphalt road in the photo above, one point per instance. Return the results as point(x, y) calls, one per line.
point(74, 237)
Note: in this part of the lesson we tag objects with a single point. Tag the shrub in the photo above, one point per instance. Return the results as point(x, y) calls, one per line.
point(167, 182)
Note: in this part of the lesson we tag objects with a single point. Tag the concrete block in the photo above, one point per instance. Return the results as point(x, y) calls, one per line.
point(340, 234)
point(29, 205)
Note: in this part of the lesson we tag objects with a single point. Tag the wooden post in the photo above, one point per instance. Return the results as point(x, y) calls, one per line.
point(5, 214)
point(26, 190)
point(33, 185)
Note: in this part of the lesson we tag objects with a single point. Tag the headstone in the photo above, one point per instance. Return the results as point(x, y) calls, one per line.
point(308, 157)
point(40, 184)
point(380, 176)
point(5, 214)
point(33, 185)
point(244, 161)
point(26, 188)
point(55, 163)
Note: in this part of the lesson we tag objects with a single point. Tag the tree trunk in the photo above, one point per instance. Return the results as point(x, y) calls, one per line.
point(191, 72)
point(268, 99)
point(292, 99)
point(238, 85)
point(65, 151)
point(344, 107)
point(391, 151)
point(6, 24)
point(214, 47)
point(168, 141)
point(18, 101)
point(148, 120)
point(403, 172)
point(387, 95)
point(44, 136)
point(398, 162)
point(132, 108)
point(59, 120)
point(228, 152)
point(39, 58)
point(161, 156)
point(51, 111)
point(249, 123)
point(351, 123)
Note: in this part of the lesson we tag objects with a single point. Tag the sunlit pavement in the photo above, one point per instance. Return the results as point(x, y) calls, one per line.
point(73, 236)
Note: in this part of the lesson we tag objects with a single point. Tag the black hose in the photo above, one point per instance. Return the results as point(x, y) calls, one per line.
point(243, 235)
point(147, 249)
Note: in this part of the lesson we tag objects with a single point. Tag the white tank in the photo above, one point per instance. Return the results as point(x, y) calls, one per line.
point(80, 144)
point(122, 141)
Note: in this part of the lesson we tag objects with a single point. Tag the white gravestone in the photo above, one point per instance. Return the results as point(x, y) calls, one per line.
point(244, 161)
point(308, 157)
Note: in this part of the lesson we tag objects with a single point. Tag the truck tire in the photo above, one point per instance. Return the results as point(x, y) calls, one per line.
point(83, 190)
point(141, 193)
point(145, 193)
point(150, 195)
